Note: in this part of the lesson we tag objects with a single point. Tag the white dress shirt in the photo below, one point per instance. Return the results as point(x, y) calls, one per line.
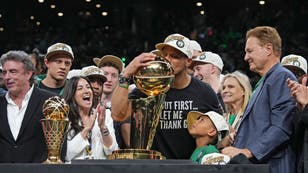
point(76, 147)
point(16, 115)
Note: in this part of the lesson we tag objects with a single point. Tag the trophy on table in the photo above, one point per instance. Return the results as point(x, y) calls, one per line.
point(54, 124)
point(154, 81)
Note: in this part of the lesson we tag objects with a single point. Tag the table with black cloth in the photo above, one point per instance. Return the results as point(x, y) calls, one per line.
point(132, 166)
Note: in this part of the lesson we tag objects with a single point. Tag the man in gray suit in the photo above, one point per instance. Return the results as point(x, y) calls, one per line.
point(265, 131)
point(21, 135)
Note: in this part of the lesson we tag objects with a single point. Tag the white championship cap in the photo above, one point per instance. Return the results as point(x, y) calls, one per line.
point(178, 42)
point(209, 57)
point(295, 63)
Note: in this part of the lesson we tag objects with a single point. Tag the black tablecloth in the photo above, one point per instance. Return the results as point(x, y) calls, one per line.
point(132, 166)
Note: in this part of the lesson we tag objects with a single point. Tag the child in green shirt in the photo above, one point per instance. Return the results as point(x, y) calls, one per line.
point(207, 129)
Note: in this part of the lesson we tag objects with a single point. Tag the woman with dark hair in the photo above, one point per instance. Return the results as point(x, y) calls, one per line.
point(89, 136)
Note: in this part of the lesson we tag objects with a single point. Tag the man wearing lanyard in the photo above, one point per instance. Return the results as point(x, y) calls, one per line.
point(266, 127)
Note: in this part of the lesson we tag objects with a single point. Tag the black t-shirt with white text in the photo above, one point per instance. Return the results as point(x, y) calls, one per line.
point(172, 138)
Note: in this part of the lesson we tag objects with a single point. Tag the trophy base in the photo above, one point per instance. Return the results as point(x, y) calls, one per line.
point(53, 161)
point(134, 154)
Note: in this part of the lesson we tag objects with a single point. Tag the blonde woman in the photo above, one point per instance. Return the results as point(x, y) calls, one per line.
point(236, 90)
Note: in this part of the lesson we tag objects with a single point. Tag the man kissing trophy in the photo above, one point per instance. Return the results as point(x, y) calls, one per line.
point(153, 80)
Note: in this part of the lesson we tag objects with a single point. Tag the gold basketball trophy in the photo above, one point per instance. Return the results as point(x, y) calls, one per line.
point(153, 80)
point(54, 125)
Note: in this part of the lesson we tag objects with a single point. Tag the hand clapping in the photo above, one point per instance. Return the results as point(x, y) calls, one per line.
point(100, 110)
point(299, 91)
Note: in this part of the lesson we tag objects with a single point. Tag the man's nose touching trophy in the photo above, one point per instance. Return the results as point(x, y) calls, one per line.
point(153, 80)
point(54, 125)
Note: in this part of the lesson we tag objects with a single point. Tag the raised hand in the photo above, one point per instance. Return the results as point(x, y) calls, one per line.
point(299, 91)
point(88, 123)
point(101, 116)
point(141, 60)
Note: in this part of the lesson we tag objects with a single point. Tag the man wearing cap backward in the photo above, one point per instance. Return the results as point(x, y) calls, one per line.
point(111, 67)
point(58, 61)
point(207, 129)
point(208, 67)
point(186, 94)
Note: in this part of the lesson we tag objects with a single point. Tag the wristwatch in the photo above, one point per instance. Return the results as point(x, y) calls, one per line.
point(124, 81)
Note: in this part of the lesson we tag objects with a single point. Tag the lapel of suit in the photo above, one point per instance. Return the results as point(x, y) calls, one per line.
point(4, 123)
point(257, 92)
point(30, 111)
point(253, 98)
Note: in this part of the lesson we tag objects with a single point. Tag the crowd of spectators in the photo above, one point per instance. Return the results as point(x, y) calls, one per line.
point(132, 28)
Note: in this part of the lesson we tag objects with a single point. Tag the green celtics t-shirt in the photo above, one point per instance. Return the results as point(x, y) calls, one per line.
point(201, 151)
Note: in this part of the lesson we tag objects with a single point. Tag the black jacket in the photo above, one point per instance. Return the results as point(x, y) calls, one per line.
point(30, 146)
point(301, 140)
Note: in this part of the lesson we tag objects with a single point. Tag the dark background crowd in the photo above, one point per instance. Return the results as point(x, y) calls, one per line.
point(135, 26)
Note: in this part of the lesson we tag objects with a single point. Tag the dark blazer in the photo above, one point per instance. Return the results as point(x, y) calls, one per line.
point(30, 146)
point(267, 123)
point(301, 140)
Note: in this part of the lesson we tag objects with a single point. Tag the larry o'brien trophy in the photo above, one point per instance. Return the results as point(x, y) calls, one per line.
point(54, 124)
point(153, 80)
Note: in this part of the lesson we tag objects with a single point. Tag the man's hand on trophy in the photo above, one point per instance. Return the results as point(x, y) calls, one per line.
point(141, 60)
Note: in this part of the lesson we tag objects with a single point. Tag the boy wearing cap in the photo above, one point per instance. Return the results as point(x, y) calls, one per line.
point(58, 61)
point(207, 129)
point(186, 93)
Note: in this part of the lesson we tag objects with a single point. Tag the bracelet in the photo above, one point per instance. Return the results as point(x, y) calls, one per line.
point(105, 131)
point(124, 85)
